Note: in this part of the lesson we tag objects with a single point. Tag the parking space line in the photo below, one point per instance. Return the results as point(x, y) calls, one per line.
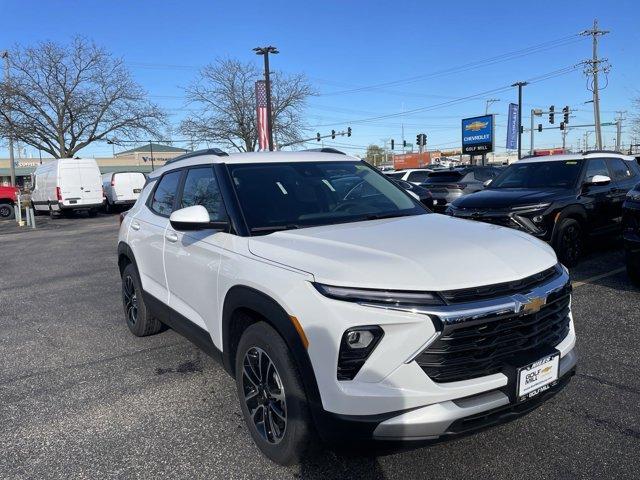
point(598, 277)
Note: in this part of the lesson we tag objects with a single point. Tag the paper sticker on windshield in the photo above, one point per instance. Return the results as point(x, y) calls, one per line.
point(573, 162)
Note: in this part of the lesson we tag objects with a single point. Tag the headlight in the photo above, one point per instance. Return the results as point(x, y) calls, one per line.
point(391, 298)
point(532, 207)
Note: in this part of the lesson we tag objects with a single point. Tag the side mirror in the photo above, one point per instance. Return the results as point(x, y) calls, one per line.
point(488, 182)
point(194, 218)
point(599, 180)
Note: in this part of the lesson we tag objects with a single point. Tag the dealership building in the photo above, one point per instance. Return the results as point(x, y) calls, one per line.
point(141, 159)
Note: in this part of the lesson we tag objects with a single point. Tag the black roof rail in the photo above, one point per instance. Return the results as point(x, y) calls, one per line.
point(197, 153)
point(325, 150)
point(602, 151)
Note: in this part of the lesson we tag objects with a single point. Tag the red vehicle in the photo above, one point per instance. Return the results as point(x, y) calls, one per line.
point(8, 200)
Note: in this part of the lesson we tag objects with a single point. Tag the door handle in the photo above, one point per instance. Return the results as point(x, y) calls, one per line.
point(171, 236)
point(135, 225)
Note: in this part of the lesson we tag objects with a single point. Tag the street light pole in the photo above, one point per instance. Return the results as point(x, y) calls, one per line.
point(151, 151)
point(519, 85)
point(265, 51)
point(12, 166)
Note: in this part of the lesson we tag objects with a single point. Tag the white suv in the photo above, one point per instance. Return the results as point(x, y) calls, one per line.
point(343, 308)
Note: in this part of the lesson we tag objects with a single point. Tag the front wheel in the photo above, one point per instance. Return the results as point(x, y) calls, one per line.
point(272, 398)
point(139, 320)
point(569, 242)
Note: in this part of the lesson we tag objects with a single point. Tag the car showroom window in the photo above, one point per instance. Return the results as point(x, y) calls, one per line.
point(619, 169)
point(201, 188)
point(165, 194)
point(596, 166)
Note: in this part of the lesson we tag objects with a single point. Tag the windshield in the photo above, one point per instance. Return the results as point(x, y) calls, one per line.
point(445, 177)
point(552, 174)
point(281, 196)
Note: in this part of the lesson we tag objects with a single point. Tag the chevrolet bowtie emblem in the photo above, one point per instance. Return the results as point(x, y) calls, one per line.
point(529, 305)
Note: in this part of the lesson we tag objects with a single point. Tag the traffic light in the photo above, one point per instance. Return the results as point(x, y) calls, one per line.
point(539, 127)
point(418, 138)
point(318, 136)
point(565, 114)
point(333, 134)
point(393, 142)
point(551, 113)
point(404, 144)
point(348, 131)
point(561, 125)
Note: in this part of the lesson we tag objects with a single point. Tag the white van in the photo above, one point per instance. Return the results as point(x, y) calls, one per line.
point(122, 188)
point(67, 184)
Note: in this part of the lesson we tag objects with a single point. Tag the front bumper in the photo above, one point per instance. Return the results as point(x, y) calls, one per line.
point(466, 415)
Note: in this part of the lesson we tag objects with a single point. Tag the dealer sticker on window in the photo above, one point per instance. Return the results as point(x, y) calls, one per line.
point(538, 377)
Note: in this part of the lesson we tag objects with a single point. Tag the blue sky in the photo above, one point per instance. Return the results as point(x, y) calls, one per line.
point(346, 45)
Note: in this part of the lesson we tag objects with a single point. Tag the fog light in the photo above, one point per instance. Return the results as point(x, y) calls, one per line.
point(538, 219)
point(359, 338)
point(355, 347)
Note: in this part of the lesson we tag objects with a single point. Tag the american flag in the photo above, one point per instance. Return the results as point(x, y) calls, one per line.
point(261, 110)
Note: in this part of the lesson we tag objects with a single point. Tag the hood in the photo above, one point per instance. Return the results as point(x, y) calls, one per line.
point(501, 198)
point(422, 252)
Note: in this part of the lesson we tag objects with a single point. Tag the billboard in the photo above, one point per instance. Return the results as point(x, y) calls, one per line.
point(477, 135)
point(512, 127)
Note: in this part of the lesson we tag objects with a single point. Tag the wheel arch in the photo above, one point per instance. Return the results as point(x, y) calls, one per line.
point(262, 307)
point(125, 257)
point(575, 212)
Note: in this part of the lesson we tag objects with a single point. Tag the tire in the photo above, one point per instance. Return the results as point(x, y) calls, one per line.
point(108, 208)
point(92, 212)
point(569, 242)
point(633, 268)
point(138, 318)
point(7, 211)
point(279, 392)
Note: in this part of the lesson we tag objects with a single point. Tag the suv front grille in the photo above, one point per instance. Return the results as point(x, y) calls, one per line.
point(484, 347)
point(501, 289)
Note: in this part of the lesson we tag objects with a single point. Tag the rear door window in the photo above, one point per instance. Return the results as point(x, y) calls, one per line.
point(620, 171)
point(165, 193)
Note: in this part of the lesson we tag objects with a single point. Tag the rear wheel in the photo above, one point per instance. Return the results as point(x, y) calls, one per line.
point(569, 243)
point(7, 211)
point(272, 398)
point(139, 320)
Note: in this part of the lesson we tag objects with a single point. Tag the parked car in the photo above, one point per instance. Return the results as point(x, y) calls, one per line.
point(417, 192)
point(631, 232)
point(448, 185)
point(8, 201)
point(330, 313)
point(413, 175)
point(562, 199)
point(67, 185)
point(122, 188)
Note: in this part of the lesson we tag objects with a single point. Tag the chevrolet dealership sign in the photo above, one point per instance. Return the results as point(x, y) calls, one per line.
point(477, 135)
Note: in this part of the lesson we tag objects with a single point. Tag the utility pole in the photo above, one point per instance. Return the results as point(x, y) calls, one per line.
point(564, 139)
point(619, 120)
point(593, 67)
point(12, 165)
point(519, 85)
point(535, 112)
point(265, 51)
point(488, 103)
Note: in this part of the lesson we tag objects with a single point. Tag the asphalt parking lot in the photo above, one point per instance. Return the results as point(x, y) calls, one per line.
point(80, 397)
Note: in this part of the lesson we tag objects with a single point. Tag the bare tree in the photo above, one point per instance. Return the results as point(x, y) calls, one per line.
point(224, 97)
point(61, 98)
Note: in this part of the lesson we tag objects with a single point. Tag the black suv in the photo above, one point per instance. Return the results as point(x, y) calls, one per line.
point(450, 184)
point(631, 232)
point(561, 199)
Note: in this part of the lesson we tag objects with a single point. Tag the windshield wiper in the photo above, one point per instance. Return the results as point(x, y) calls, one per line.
point(275, 228)
point(379, 216)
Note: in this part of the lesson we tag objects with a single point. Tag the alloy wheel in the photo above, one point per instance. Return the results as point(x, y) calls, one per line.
point(572, 243)
point(264, 395)
point(130, 300)
point(5, 211)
